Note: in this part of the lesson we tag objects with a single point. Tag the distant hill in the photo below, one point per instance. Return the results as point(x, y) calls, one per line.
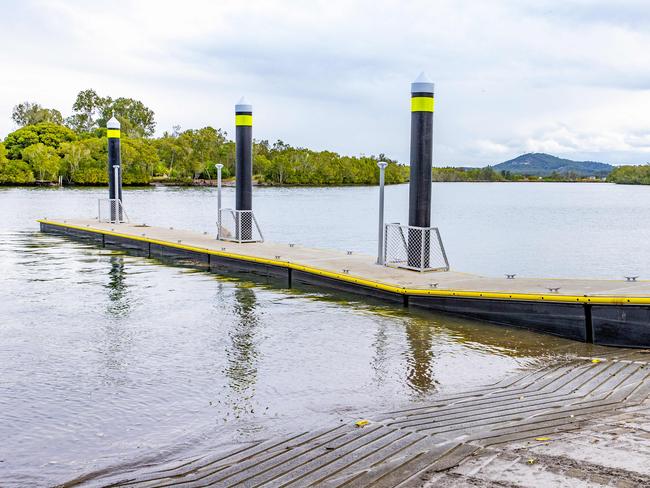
point(540, 164)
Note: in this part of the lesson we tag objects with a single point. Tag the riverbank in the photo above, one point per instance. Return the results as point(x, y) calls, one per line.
point(230, 182)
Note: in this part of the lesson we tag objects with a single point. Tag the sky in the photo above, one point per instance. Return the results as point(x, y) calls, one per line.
point(570, 77)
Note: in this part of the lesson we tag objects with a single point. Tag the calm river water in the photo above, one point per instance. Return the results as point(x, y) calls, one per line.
point(108, 359)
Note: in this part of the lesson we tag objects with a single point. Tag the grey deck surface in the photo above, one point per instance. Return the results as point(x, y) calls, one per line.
point(364, 267)
point(403, 448)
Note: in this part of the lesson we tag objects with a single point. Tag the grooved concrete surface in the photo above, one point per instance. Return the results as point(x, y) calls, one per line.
point(536, 429)
point(612, 451)
point(364, 267)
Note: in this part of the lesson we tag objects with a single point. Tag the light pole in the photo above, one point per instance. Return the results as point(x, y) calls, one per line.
point(380, 244)
point(117, 203)
point(218, 166)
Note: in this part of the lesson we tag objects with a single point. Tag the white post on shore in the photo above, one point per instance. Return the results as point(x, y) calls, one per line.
point(218, 166)
point(380, 244)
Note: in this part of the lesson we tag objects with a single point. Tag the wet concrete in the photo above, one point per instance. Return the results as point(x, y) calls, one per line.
point(537, 428)
point(610, 451)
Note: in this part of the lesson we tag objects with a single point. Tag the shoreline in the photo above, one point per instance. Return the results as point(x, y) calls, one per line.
point(231, 184)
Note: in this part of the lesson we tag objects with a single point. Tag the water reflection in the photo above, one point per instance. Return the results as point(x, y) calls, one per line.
point(241, 352)
point(419, 357)
point(380, 360)
point(117, 341)
point(118, 304)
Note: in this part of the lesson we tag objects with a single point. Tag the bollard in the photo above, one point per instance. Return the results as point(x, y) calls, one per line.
point(114, 167)
point(219, 167)
point(420, 175)
point(380, 240)
point(244, 168)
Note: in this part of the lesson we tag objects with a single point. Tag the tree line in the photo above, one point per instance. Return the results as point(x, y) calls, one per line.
point(48, 146)
point(489, 174)
point(630, 175)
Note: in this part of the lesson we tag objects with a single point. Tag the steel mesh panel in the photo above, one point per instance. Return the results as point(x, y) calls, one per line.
point(416, 248)
point(111, 210)
point(238, 226)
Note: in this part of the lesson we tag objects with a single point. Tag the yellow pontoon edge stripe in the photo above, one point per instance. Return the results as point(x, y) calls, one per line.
point(555, 298)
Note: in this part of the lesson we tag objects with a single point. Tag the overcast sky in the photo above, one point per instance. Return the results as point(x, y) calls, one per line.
point(568, 77)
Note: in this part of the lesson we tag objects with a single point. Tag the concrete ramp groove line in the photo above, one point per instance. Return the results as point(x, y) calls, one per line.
point(515, 401)
point(525, 410)
point(398, 447)
point(519, 383)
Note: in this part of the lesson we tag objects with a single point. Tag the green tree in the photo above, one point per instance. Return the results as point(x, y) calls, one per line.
point(14, 171)
point(87, 108)
point(261, 164)
point(137, 120)
point(174, 155)
point(28, 113)
point(226, 155)
point(139, 161)
point(205, 151)
point(75, 156)
point(92, 111)
point(47, 133)
point(630, 175)
point(43, 160)
point(85, 161)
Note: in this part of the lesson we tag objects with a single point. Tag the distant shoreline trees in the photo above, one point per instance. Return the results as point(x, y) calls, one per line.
point(47, 147)
point(489, 174)
point(630, 175)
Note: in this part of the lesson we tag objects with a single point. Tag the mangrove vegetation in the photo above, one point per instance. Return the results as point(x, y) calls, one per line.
point(48, 146)
point(631, 175)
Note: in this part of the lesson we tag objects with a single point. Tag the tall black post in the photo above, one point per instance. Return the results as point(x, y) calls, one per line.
point(421, 162)
point(114, 169)
point(244, 168)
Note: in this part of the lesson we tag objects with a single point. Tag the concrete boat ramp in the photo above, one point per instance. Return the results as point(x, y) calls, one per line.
point(606, 312)
point(420, 444)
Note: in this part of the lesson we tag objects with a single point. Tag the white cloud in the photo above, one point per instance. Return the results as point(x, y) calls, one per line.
point(567, 77)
